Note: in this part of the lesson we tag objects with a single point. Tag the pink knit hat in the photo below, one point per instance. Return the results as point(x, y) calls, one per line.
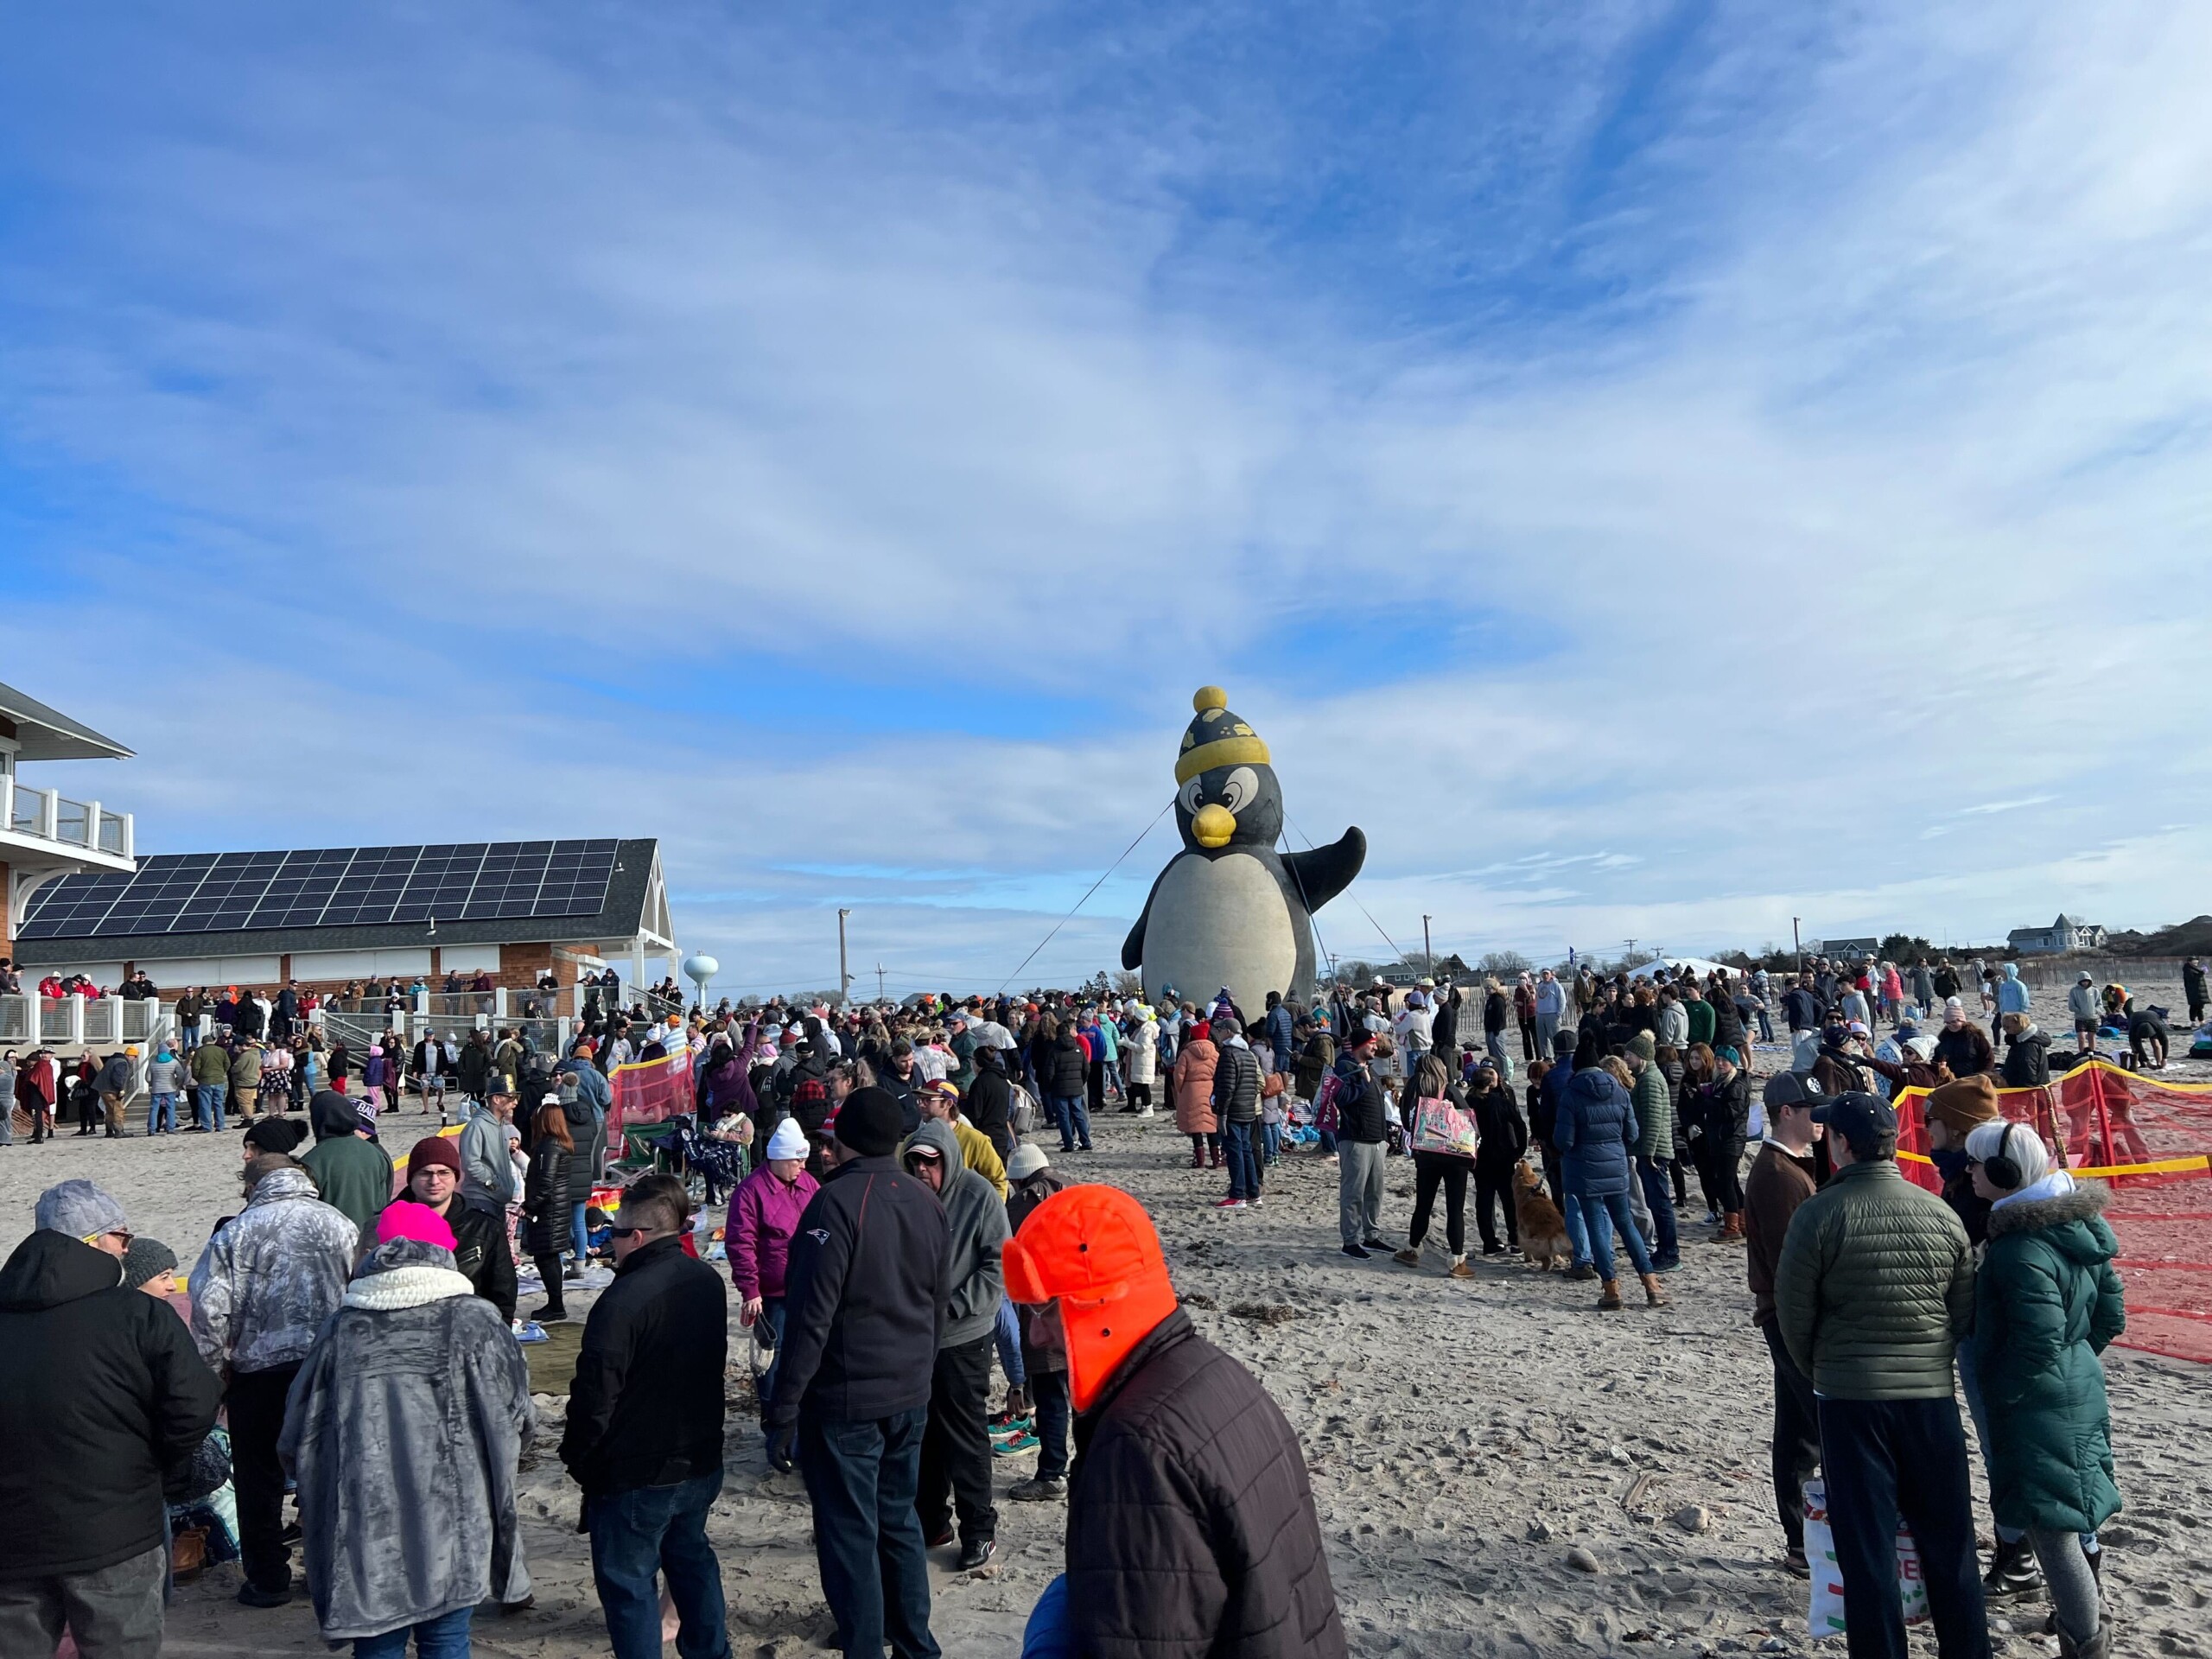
point(404, 1218)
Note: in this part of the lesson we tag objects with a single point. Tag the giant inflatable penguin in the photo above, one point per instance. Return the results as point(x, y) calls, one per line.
point(1228, 909)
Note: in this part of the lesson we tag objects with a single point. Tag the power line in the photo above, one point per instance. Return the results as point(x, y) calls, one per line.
point(1399, 955)
point(1085, 900)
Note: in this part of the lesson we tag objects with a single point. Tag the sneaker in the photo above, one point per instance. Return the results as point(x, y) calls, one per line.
point(1229, 1203)
point(1251, 1203)
point(550, 1315)
point(1043, 1489)
point(1667, 1264)
point(940, 1540)
point(1354, 1251)
point(1014, 1444)
point(975, 1552)
point(1374, 1243)
point(1493, 1250)
point(1583, 1270)
point(252, 1595)
point(1008, 1430)
point(1006, 1419)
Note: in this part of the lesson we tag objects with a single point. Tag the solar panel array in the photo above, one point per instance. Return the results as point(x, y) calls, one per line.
point(342, 886)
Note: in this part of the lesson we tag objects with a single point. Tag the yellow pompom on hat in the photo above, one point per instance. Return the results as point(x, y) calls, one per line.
point(1216, 738)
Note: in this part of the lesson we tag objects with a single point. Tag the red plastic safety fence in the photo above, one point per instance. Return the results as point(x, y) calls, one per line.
point(649, 1091)
point(2152, 1143)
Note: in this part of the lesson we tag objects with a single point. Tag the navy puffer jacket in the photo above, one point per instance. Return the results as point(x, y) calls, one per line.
point(1597, 1128)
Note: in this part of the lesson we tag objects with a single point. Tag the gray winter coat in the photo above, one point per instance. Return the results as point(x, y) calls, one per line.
point(265, 1284)
point(976, 1282)
point(166, 1077)
point(404, 1429)
point(487, 1170)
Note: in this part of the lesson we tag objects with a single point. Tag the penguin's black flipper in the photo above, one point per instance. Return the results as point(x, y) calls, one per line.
point(1321, 874)
point(1133, 947)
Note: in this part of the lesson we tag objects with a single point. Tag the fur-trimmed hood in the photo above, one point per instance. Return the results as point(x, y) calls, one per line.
point(2075, 1219)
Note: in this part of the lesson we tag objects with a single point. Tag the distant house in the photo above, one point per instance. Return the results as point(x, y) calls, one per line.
point(1851, 948)
point(2067, 933)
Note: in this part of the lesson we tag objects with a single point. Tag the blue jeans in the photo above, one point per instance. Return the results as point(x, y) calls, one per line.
point(161, 1113)
point(207, 1105)
point(1072, 1119)
point(1659, 1193)
point(1597, 1213)
point(1239, 1146)
point(651, 1530)
point(440, 1638)
point(1578, 1235)
point(1010, 1336)
point(1270, 1143)
point(1049, 1404)
point(1891, 1461)
point(582, 1238)
point(187, 1038)
point(772, 1315)
point(861, 1477)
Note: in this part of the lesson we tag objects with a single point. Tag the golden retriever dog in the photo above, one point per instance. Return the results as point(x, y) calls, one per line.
point(1543, 1230)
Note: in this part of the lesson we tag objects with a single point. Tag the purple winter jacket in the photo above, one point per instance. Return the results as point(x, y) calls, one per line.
point(763, 1214)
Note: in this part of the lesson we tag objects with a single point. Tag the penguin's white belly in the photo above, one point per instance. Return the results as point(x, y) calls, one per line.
point(1216, 922)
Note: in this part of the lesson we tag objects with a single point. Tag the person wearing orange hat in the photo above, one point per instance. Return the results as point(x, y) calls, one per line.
point(1191, 1530)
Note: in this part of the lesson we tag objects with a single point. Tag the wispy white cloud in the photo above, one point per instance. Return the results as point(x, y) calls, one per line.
point(1834, 456)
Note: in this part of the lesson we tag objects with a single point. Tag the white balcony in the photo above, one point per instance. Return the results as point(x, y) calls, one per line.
point(43, 829)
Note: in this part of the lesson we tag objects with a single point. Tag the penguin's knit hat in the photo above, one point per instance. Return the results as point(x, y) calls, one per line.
point(1216, 738)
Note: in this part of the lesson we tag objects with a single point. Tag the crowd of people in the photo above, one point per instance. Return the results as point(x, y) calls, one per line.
point(904, 1221)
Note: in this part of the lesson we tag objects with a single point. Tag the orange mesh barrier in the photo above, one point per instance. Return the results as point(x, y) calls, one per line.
point(2152, 1143)
point(648, 1092)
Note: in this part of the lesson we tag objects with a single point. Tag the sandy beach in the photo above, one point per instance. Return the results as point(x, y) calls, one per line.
point(1499, 1466)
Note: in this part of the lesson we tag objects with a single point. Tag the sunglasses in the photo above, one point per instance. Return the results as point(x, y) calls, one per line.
point(627, 1232)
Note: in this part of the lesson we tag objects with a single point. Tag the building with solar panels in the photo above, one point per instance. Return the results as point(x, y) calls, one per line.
point(513, 910)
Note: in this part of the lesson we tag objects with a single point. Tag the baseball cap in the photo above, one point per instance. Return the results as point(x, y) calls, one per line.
point(1790, 1089)
point(1857, 1116)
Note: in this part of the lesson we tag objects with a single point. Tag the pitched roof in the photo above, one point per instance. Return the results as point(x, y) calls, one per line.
point(44, 733)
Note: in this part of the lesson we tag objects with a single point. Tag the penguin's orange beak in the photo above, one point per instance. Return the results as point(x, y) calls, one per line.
point(1213, 825)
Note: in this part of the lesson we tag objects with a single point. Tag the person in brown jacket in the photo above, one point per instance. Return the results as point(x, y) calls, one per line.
point(1787, 1172)
point(1194, 1112)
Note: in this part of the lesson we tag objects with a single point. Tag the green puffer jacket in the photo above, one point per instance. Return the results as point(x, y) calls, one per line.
point(1875, 1286)
point(2046, 1305)
point(1655, 1112)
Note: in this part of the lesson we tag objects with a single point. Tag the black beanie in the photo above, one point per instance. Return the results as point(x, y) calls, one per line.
point(869, 1121)
point(275, 1134)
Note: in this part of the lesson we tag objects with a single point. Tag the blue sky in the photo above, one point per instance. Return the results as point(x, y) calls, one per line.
point(1660, 469)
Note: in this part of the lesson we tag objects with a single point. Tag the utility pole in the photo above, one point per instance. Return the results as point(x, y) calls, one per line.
point(1632, 947)
point(1796, 941)
point(844, 973)
point(1428, 950)
point(879, 981)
